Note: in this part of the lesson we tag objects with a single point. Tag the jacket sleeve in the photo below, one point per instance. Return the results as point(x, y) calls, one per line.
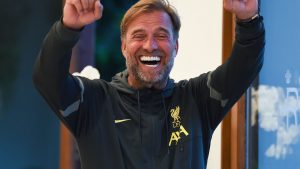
point(221, 88)
point(51, 75)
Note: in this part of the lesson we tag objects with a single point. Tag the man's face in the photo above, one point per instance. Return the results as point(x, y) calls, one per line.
point(149, 48)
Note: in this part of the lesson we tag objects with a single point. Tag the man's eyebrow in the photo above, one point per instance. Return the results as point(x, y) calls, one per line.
point(163, 30)
point(137, 31)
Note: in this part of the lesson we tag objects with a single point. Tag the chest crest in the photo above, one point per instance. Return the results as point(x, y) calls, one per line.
point(178, 129)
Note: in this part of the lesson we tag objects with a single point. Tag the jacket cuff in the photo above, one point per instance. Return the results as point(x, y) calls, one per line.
point(249, 30)
point(66, 34)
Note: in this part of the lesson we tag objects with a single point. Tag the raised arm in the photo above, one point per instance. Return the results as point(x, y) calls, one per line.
point(246, 59)
point(230, 80)
point(51, 70)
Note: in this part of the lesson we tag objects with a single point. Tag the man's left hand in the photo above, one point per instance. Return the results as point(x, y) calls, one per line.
point(243, 9)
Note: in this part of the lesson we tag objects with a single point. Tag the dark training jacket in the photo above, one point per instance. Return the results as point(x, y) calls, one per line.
point(118, 127)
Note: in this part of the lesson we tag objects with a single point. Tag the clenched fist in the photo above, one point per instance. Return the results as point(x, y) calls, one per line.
point(78, 13)
point(243, 9)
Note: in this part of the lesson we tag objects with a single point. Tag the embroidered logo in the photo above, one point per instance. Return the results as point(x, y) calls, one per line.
point(176, 117)
point(180, 130)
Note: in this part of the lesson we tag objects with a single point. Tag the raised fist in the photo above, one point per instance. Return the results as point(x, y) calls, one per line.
point(79, 13)
point(243, 9)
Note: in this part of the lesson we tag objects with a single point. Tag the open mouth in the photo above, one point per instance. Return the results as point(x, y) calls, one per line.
point(151, 61)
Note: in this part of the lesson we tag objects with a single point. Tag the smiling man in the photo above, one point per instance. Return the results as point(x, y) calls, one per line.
point(142, 119)
point(149, 46)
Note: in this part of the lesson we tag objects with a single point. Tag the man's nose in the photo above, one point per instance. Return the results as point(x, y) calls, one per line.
point(150, 45)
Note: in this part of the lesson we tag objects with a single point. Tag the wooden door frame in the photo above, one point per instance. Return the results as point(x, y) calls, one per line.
point(233, 126)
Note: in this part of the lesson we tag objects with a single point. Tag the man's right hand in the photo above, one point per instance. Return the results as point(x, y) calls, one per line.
point(79, 13)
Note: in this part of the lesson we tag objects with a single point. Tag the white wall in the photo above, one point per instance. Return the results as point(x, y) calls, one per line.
point(200, 50)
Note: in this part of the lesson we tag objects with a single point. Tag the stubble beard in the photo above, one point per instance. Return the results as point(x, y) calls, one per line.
point(150, 79)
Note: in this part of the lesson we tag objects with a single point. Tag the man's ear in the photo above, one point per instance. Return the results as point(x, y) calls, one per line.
point(177, 46)
point(123, 47)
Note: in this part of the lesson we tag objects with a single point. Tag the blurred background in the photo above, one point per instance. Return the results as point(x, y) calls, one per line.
point(28, 129)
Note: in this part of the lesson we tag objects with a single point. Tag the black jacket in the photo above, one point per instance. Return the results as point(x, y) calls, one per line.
point(117, 127)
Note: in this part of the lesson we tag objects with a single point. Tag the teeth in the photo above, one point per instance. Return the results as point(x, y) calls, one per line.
point(150, 58)
point(152, 65)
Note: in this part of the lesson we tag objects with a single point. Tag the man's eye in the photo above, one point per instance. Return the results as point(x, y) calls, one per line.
point(138, 36)
point(162, 36)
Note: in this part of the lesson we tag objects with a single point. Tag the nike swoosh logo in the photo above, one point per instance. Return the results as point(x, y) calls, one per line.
point(120, 121)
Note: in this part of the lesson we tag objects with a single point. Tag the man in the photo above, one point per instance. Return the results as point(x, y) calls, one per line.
point(143, 119)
